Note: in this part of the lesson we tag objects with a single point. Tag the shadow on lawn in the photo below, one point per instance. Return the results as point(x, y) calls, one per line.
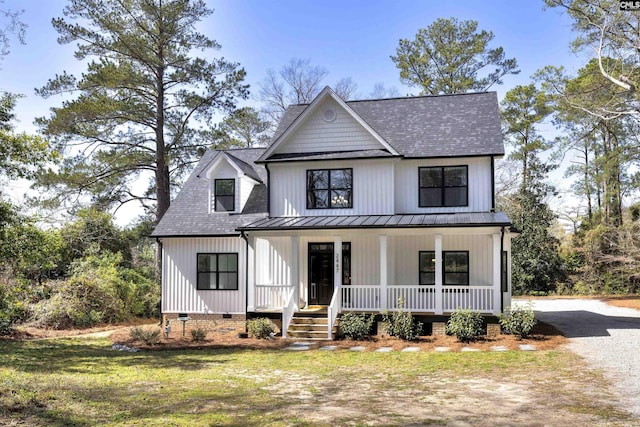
point(81, 356)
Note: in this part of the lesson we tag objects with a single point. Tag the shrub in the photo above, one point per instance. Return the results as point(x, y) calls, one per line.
point(356, 326)
point(518, 321)
point(147, 336)
point(198, 334)
point(401, 324)
point(261, 328)
point(466, 325)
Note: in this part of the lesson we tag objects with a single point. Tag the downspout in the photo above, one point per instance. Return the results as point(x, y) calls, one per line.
point(266, 166)
point(502, 266)
point(246, 279)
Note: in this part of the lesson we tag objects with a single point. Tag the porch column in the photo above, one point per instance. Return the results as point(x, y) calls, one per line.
point(497, 273)
point(438, 249)
point(295, 269)
point(251, 273)
point(337, 254)
point(383, 273)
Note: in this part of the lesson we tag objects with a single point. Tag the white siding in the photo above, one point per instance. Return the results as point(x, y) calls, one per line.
point(179, 275)
point(242, 194)
point(479, 190)
point(405, 253)
point(273, 261)
point(317, 135)
point(372, 188)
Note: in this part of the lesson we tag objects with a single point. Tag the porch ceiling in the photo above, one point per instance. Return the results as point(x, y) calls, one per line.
point(466, 219)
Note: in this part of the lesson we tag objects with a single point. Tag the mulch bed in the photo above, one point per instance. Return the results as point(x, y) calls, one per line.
point(544, 337)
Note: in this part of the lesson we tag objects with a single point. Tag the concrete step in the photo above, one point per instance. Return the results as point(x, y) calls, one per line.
point(319, 335)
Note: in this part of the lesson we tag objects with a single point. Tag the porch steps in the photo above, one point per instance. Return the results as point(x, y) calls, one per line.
point(311, 326)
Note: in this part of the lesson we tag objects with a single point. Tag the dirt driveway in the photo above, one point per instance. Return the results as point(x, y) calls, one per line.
point(605, 336)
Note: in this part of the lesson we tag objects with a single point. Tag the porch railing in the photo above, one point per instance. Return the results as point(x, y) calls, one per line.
point(288, 310)
point(479, 298)
point(333, 310)
point(417, 298)
point(271, 296)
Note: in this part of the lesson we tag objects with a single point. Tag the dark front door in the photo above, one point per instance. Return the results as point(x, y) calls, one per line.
point(320, 273)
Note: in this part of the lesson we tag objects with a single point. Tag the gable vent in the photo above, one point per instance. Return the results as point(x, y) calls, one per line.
point(329, 115)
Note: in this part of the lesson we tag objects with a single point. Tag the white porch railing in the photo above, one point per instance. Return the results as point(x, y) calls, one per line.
point(479, 298)
point(414, 297)
point(361, 298)
point(271, 296)
point(333, 310)
point(417, 298)
point(288, 310)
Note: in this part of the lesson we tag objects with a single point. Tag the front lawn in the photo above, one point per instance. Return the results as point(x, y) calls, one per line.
point(83, 382)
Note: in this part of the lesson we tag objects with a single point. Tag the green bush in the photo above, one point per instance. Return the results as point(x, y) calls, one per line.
point(261, 328)
point(401, 324)
point(518, 321)
point(147, 336)
point(466, 325)
point(198, 334)
point(356, 326)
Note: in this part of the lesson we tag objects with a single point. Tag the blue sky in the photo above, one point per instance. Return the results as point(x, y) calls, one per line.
point(349, 38)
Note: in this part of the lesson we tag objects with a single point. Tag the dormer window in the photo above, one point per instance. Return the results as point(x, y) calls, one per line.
point(225, 195)
point(329, 189)
point(443, 186)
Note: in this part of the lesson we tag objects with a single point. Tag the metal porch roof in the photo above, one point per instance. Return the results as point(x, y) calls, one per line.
point(463, 219)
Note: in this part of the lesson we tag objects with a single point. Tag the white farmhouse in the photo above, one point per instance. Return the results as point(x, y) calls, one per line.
point(354, 206)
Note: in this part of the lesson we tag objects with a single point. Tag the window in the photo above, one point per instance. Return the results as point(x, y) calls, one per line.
point(427, 268)
point(329, 188)
point(218, 271)
point(225, 195)
point(443, 186)
point(455, 268)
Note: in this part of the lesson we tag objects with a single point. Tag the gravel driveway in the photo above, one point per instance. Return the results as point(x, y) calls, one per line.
point(607, 337)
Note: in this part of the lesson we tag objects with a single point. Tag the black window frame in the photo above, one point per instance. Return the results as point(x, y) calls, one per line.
point(329, 189)
point(504, 272)
point(216, 195)
point(443, 187)
point(444, 270)
point(421, 271)
point(217, 272)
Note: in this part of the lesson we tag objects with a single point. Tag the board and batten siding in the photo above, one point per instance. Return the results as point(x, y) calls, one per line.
point(316, 134)
point(179, 276)
point(273, 261)
point(372, 188)
point(479, 180)
point(404, 254)
point(243, 185)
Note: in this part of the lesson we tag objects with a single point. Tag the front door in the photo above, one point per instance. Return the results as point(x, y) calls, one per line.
point(320, 273)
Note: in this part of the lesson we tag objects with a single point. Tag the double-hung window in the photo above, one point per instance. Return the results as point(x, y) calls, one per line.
point(218, 271)
point(443, 186)
point(455, 268)
point(225, 195)
point(330, 189)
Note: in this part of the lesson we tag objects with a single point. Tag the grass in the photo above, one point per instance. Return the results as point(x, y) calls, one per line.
point(82, 382)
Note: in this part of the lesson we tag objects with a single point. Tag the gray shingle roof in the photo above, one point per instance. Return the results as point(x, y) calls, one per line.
point(362, 154)
point(467, 219)
point(428, 126)
point(189, 214)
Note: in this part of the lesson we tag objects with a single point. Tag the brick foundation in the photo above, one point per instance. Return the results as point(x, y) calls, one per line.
point(493, 329)
point(438, 329)
point(208, 321)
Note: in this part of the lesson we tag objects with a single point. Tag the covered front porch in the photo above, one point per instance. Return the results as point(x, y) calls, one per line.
point(431, 270)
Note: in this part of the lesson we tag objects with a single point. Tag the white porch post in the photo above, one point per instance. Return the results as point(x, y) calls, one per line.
point(438, 250)
point(497, 273)
point(337, 254)
point(384, 304)
point(295, 268)
point(251, 273)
